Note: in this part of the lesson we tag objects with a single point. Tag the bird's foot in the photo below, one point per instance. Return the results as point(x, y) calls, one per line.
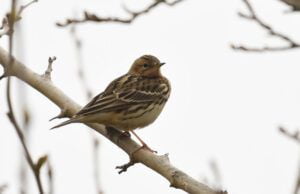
point(125, 134)
point(119, 134)
point(124, 167)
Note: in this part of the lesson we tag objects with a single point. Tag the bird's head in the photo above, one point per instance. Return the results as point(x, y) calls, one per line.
point(146, 65)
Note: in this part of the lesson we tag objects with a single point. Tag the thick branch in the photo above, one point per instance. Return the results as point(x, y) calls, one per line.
point(160, 164)
point(291, 44)
point(90, 17)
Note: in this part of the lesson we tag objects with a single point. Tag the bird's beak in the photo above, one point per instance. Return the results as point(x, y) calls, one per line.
point(161, 64)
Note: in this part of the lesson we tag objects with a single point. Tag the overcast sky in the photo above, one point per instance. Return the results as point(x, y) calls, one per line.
point(225, 106)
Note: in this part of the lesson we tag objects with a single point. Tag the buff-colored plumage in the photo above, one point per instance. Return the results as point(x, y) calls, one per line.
point(131, 101)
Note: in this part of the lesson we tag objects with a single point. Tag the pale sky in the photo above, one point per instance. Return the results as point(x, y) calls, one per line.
point(225, 106)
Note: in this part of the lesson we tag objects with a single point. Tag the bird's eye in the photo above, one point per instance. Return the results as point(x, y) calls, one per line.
point(145, 65)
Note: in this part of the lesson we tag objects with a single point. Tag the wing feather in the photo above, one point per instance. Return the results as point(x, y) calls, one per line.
point(125, 92)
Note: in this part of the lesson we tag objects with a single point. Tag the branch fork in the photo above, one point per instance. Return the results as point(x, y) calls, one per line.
point(291, 44)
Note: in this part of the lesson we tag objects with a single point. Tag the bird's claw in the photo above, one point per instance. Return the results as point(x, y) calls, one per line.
point(124, 167)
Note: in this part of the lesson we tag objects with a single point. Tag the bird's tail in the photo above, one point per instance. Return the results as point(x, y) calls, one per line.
point(72, 120)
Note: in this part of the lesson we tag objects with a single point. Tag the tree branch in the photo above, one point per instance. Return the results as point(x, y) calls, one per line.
point(90, 17)
point(11, 116)
point(294, 136)
point(291, 44)
point(160, 164)
point(12, 17)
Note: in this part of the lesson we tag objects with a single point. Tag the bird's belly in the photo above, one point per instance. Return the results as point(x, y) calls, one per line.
point(141, 118)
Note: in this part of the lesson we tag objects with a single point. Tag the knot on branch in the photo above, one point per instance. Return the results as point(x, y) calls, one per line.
point(177, 178)
point(47, 74)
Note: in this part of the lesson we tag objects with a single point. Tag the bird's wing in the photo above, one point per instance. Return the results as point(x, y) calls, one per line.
point(100, 99)
point(125, 92)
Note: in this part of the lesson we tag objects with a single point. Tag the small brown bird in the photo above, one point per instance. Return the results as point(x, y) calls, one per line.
point(131, 101)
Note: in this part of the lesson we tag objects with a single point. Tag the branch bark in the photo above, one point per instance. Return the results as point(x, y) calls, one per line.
point(160, 164)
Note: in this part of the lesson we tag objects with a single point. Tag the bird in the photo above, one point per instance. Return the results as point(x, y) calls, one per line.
point(131, 101)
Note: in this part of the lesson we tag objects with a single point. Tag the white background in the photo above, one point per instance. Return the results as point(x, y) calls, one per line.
point(225, 106)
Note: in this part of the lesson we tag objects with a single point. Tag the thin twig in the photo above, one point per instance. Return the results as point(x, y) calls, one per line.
point(79, 59)
point(7, 25)
point(217, 176)
point(47, 74)
point(96, 142)
point(90, 17)
point(10, 114)
point(23, 7)
point(88, 94)
point(11, 117)
point(4, 27)
point(297, 184)
point(50, 177)
point(291, 44)
point(294, 136)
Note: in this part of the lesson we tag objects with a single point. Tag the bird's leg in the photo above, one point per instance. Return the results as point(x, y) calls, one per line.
point(144, 145)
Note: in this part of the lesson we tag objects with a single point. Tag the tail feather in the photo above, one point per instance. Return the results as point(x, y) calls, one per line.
point(73, 120)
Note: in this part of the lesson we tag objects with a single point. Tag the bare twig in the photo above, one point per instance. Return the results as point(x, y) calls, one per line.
point(11, 117)
point(50, 177)
point(297, 184)
point(96, 142)
point(291, 44)
point(7, 26)
point(23, 7)
point(47, 74)
point(26, 118)
point(90, 17)
point(88, 93)
point(295, 136)
point(10, 114)
point(160, 164)
point(78, 55)
point(216, 174)
point(4, 27)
